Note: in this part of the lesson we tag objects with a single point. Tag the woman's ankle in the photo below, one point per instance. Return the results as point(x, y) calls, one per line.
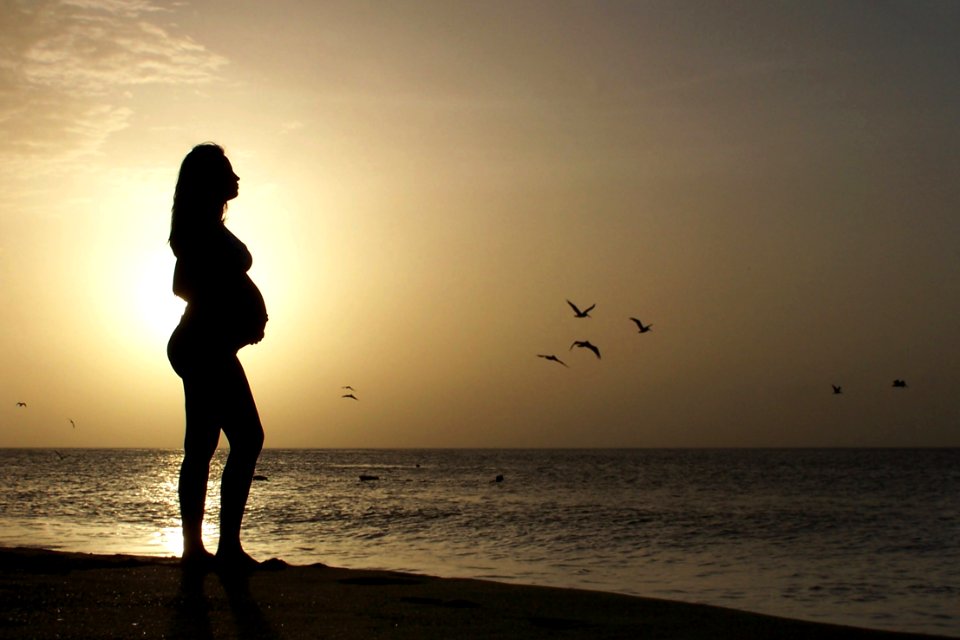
point(194, 548)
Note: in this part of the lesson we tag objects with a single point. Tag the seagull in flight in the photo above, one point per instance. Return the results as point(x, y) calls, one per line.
point(349, 395)
point(73, 424)
point(643, 328)
point(553, 358)
point(585, 344)
point(21, 404)
point(348, 387)
point(581, 314)
point(837, 390)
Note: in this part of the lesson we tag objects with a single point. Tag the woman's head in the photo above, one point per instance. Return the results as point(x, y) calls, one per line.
point(206, 178)
point(205, 184)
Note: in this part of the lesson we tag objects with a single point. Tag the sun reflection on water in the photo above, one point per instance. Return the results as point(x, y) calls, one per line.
point(168, 541)
point(161, 499)
point(70, 502)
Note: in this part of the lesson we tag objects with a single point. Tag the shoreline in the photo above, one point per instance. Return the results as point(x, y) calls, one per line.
point(56, 594)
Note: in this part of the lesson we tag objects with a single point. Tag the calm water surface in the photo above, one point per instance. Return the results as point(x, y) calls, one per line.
point(863, 537)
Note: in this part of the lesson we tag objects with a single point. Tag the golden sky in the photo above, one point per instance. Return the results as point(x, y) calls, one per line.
point(772, 185)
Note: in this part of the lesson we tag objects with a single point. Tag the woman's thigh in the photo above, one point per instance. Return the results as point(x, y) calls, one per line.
point(218, 396)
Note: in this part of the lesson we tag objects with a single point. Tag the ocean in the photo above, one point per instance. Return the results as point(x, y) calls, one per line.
point(865, 537)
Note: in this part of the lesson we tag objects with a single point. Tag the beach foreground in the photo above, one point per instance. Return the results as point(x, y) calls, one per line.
point(47, 594)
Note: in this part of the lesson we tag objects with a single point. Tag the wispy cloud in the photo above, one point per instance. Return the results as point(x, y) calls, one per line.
point(95, 52)
point(67, 68)
point(290, 126)
point(125, 8)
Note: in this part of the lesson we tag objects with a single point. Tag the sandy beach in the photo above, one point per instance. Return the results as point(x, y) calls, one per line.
point(47, 594)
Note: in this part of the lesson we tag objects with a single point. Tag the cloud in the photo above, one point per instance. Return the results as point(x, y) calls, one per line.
point(125, 8)
point(67, 68)
point(95, 54)
point(290, 126)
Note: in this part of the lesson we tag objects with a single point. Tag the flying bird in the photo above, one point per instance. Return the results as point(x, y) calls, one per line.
point(585, 344)
point(552, 357)
point(21, 404)
point(899, 384)
point(643, 328)
point(580, 314)
point(73, 424)
point(349, 395)
point(348, 387)
point(837, 390)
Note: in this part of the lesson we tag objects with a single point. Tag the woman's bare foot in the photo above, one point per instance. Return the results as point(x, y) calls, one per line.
point(235, 561)
point(197, 560)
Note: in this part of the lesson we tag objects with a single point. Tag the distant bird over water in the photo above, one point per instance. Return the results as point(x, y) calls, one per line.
point(21, 404)
point(350, 395)
point(837, 390)
point(643, 328)
point(581, 314)
point(73, 424)
point(347, 387)
point(585, 344)
point(553, 358)
point(899, 384)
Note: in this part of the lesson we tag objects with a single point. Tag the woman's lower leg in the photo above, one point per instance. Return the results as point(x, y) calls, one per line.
point(192, 490)
point(234, 491)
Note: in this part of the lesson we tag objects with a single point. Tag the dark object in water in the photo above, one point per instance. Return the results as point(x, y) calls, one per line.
point(258, 477)
point(364, 477)
point(499, 478)
point(900, 384)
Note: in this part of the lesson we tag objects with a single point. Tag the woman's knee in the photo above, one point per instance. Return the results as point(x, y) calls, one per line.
point(254, 442)
point(199, 444)
point(195, 459)
point(246, 444)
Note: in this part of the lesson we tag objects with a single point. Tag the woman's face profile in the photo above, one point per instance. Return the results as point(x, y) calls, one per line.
point(231, 181)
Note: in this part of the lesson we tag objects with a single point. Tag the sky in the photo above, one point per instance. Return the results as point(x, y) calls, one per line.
point(423, 185)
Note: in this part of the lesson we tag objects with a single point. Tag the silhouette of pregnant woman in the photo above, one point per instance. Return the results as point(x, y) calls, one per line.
point(224, 313)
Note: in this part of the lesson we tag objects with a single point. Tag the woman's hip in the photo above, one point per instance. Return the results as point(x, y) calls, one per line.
point(192, 351)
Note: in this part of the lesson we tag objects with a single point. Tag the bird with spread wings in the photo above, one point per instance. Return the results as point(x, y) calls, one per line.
point(577, 313)
point(585, 344)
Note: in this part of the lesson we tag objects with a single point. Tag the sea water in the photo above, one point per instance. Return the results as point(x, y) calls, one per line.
point(866, 537)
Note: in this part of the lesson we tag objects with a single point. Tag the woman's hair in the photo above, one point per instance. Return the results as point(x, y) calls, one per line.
point(198, 200)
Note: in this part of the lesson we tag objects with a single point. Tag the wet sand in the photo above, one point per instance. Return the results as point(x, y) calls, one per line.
point(46, 594)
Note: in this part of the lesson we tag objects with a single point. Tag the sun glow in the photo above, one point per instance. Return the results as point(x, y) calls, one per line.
point(159, 310)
